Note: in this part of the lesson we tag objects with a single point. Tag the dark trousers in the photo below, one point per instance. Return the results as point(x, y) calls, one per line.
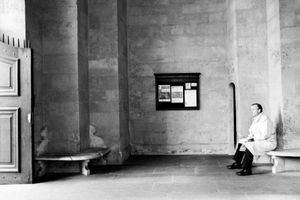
point(245, 158)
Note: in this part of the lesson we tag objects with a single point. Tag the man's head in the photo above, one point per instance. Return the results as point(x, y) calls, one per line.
point(256, 109)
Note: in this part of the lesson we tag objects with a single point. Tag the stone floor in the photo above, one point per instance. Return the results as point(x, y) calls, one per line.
point(162, 178)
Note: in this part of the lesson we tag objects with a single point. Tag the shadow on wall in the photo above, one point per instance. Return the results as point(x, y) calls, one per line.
point(279, 132)
point(42, 148)
point(233, 115)
point(95, 141)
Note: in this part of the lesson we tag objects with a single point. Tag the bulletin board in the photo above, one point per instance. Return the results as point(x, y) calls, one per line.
point(177, 91)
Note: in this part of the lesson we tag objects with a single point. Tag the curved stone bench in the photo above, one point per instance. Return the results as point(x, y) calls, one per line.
point(84, 157)
point(279, 158)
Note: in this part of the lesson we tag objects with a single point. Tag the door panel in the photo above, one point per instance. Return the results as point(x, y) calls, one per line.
point(9, 76)
point(5, 137)
point(15, 105)
point(9, 119)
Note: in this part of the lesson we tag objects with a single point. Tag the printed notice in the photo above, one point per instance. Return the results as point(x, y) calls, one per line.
point(177, 94)
point(164, 93)
point(190, 98)
point(187, 86)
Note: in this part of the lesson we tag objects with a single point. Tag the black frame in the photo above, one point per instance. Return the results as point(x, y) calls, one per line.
point(177, 79)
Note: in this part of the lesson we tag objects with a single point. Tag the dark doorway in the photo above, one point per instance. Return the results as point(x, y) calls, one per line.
point(232, 86)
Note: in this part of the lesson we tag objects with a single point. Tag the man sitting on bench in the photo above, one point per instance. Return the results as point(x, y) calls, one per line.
point(261, 139)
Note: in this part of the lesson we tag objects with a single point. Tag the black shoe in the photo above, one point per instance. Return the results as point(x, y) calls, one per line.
point(234, 166)
point(244, 172)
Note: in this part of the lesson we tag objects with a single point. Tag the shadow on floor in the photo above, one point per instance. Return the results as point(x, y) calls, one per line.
point(48, 177)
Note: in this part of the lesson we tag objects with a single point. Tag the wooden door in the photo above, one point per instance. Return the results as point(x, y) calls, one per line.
point(15, 115)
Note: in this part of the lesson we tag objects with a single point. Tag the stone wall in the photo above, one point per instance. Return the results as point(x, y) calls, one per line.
point(233, 68)
point(60, 76)
point(275, 67)
point(104, 74)
point(232, 40)
point(236, 41)
point(178, 36)
point(34, 25)
point(252, 60)
point(123, 79)
point(290, 56)
point(58, 34)
point(83, 68)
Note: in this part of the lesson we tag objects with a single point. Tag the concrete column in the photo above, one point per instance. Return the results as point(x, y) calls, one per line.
point(108, 75)
point(290, 57)
point(83, 86)
point(275, 67)
point(123, 79)
point(64, 96)
point(252, 60)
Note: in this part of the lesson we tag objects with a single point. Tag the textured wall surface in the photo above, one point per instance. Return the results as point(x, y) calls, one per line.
point(60, 76)
point(235, 41)
point(232, 65)
point(252, 60)
point(104, 73)
point(34, 23)
point(108, 78)
point(58, 31)
point(290, 56)
point(83, 86)
point(178, 36)
point(232, 40)
point(275, 67)
point(123, 78)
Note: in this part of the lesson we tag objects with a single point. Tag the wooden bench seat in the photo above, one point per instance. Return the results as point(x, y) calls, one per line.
point(280, 158)
point(84, 157)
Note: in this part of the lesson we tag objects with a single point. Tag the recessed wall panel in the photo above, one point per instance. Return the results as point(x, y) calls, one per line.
point(9, 76)
point(9, 139)
point(5, 138)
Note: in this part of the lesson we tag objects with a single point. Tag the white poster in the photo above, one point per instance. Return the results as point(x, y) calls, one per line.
point(187, 86)
point(177, 94)
point(190, 98)
point(164, 93)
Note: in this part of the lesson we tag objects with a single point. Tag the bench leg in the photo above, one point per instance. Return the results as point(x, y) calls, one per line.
point(103, 161)
point(42, 168)
point(278, 164)
point(85, 167)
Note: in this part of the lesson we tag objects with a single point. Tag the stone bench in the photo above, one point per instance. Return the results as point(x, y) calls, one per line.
point(82, 157)
point(283, 159)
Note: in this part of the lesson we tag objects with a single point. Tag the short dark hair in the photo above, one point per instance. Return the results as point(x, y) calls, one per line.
point(258, 106)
